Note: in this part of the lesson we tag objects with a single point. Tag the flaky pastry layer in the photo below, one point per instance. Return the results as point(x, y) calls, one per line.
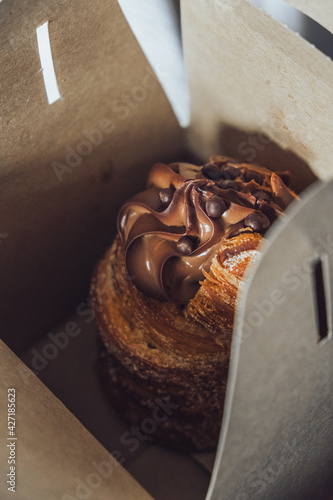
point(152, 350)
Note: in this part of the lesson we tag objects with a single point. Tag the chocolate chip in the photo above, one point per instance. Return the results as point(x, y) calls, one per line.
point(166, 196)
point(285, 177)
point(252, 175)
point(257, 221)
point(186, 245)
point(262, 196)
point(215, 206)
point(231, 172)
point(211, 171)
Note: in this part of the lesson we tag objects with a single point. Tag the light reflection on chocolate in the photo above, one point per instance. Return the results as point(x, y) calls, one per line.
point(150, 229)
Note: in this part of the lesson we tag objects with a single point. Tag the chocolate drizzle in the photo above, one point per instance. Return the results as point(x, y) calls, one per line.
point(172, 230)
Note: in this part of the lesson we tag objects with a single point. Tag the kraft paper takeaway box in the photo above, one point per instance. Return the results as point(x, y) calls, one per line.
point(78, 137)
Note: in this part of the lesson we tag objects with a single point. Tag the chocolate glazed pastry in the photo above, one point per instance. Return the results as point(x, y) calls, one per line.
point(165, 293)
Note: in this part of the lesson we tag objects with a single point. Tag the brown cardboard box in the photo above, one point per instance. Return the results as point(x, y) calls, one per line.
point(256, 89)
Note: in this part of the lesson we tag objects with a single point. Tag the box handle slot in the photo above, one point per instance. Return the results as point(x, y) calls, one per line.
point(322, 294)
point(46, 62)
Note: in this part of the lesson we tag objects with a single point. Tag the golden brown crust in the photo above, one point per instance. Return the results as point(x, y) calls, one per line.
point(152, 349)
point(214, 304)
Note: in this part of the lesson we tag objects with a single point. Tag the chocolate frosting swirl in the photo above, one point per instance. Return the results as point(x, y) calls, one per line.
point(172, 230)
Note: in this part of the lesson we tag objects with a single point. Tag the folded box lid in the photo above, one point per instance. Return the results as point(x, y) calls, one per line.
point(249, 74)
point(67, 166)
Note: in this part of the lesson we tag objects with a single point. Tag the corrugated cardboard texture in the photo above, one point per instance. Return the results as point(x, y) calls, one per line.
point(277, 431)
point(56, 457)
point(321, 11)
point(55, 216)
point(250, 74)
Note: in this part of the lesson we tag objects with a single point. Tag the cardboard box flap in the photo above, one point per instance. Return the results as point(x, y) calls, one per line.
point(276, 439)
point(55, 457)
point(254, 75)
point(66, 167)
point(321, 11)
